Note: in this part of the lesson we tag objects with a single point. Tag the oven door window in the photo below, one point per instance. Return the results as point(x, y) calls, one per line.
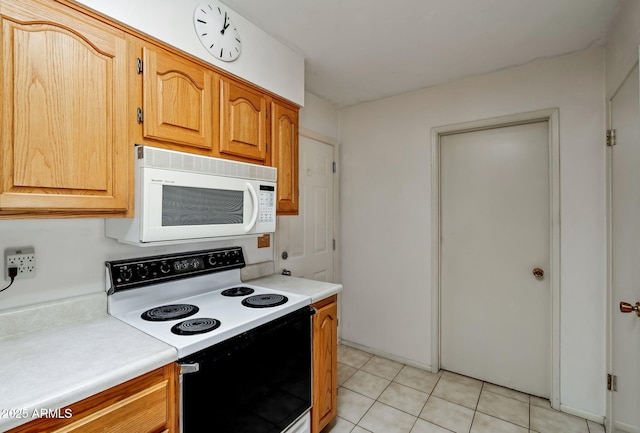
point(258, 382)
point(188, 206)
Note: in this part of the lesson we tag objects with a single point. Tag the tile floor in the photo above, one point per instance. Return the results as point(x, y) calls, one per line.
point(378, 395)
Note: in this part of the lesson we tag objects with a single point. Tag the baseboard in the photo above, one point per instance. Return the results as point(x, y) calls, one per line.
point(599, 419)
point(626, 428)
point(390, 356)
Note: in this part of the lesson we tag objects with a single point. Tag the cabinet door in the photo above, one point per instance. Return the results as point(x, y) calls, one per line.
point(325, 363)
point(284, 156)
point(146, 404)
point(177, 99)
point(63, 110)
point(243, 122)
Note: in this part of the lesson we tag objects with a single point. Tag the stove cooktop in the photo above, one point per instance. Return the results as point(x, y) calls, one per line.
point(202, 312)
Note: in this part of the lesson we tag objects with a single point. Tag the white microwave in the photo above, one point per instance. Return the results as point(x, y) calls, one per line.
point(181, 197)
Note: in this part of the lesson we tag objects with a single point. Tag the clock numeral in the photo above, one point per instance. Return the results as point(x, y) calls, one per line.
point(200, 21)
point(219, 11)
point(237, 39)
point(211, 46)
point(220, 52)
point(203, 11)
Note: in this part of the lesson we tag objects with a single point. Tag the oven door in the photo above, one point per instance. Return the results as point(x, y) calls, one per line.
point(257, 382)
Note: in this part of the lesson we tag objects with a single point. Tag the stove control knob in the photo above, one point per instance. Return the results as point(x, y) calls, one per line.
point(212, 261)
point(142, 271)
point(165, 268)
point(126, 273)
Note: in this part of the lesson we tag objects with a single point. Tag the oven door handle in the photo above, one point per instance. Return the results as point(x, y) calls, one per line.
point(254, 217)
point(189, 368)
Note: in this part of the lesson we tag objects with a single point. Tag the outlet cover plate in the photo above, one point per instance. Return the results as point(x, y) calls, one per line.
point(24, 258)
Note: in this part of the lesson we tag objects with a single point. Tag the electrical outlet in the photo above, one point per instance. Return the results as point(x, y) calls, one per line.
point(22, 258)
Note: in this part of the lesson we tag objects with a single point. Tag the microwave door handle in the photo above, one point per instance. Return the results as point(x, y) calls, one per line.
point(254, 217)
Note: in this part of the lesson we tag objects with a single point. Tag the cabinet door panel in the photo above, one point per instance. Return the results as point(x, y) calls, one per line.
point(177, 100)
point(284, 140)
point(325, 363)
point(243, 126)
point(63, 110)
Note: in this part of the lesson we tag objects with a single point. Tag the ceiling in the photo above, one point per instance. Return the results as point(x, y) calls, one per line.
point(361, 50)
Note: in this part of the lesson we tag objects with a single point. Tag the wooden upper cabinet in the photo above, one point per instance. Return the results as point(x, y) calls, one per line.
point(177, 99)
point(243, 122)
point(284, 156)
point(63, 107)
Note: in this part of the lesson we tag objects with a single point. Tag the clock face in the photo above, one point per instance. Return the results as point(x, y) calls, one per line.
point(216, 31)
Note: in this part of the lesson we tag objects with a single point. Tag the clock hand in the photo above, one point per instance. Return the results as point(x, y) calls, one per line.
point(225, 24)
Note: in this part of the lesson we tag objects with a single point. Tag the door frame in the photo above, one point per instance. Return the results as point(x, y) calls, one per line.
point(610, 302)
point(336, 202)
point(551, 116)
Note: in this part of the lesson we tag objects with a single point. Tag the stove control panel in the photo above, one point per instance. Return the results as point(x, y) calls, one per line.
point(132, 273)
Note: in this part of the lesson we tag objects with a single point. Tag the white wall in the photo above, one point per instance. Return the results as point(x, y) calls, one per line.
point(385, 210)
point(622, 44)
point(70, 256)
point(263, 61)
point(320, 117)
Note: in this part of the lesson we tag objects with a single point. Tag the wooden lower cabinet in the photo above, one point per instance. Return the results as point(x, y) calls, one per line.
point(325, 363)
point(146, 404)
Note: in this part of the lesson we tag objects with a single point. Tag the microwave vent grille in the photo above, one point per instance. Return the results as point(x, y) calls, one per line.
point(168, 159)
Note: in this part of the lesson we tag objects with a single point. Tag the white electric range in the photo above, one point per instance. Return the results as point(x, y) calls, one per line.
point(227, 333)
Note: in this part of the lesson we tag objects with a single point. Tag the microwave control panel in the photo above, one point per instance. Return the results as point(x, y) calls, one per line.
point(267, 204)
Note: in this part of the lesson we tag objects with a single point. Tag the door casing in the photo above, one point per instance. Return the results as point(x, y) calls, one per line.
point(551, 115)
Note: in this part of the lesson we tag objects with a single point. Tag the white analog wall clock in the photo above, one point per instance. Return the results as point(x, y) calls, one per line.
point(216, 31)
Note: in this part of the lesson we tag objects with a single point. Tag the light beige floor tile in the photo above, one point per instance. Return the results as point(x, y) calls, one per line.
point(487, 424)
point(416, 378)
point(505, 408)
point(550, 421)
point(345, 372)
point(540, 402)
point(353, 357)
point(338, 425)
point(422, 426)
point(595, 428)
point(367, 384)
point(382, 367)
point(464, 379)
point(359, 429)
point(506, 392)
point(456, 391)
point(404, 398)
point(351, 405)
point(386, 419)
point(448, 415)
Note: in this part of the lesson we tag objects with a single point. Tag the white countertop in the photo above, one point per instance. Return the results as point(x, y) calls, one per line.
point(317, 290)
point(75, 356)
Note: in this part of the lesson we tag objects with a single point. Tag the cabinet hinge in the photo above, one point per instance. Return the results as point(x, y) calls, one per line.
point(140, 115)
point(611, 137)
point(612, 382)
point(139, 64)
point(334, 167)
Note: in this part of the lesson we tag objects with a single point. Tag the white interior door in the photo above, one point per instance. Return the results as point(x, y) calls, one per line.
point(307, 239)
point(625, 254)
point(495, 230)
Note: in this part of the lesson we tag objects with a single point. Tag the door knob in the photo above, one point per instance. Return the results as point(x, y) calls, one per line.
point(286, 272)
point(626, 307)
point(538, 273)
